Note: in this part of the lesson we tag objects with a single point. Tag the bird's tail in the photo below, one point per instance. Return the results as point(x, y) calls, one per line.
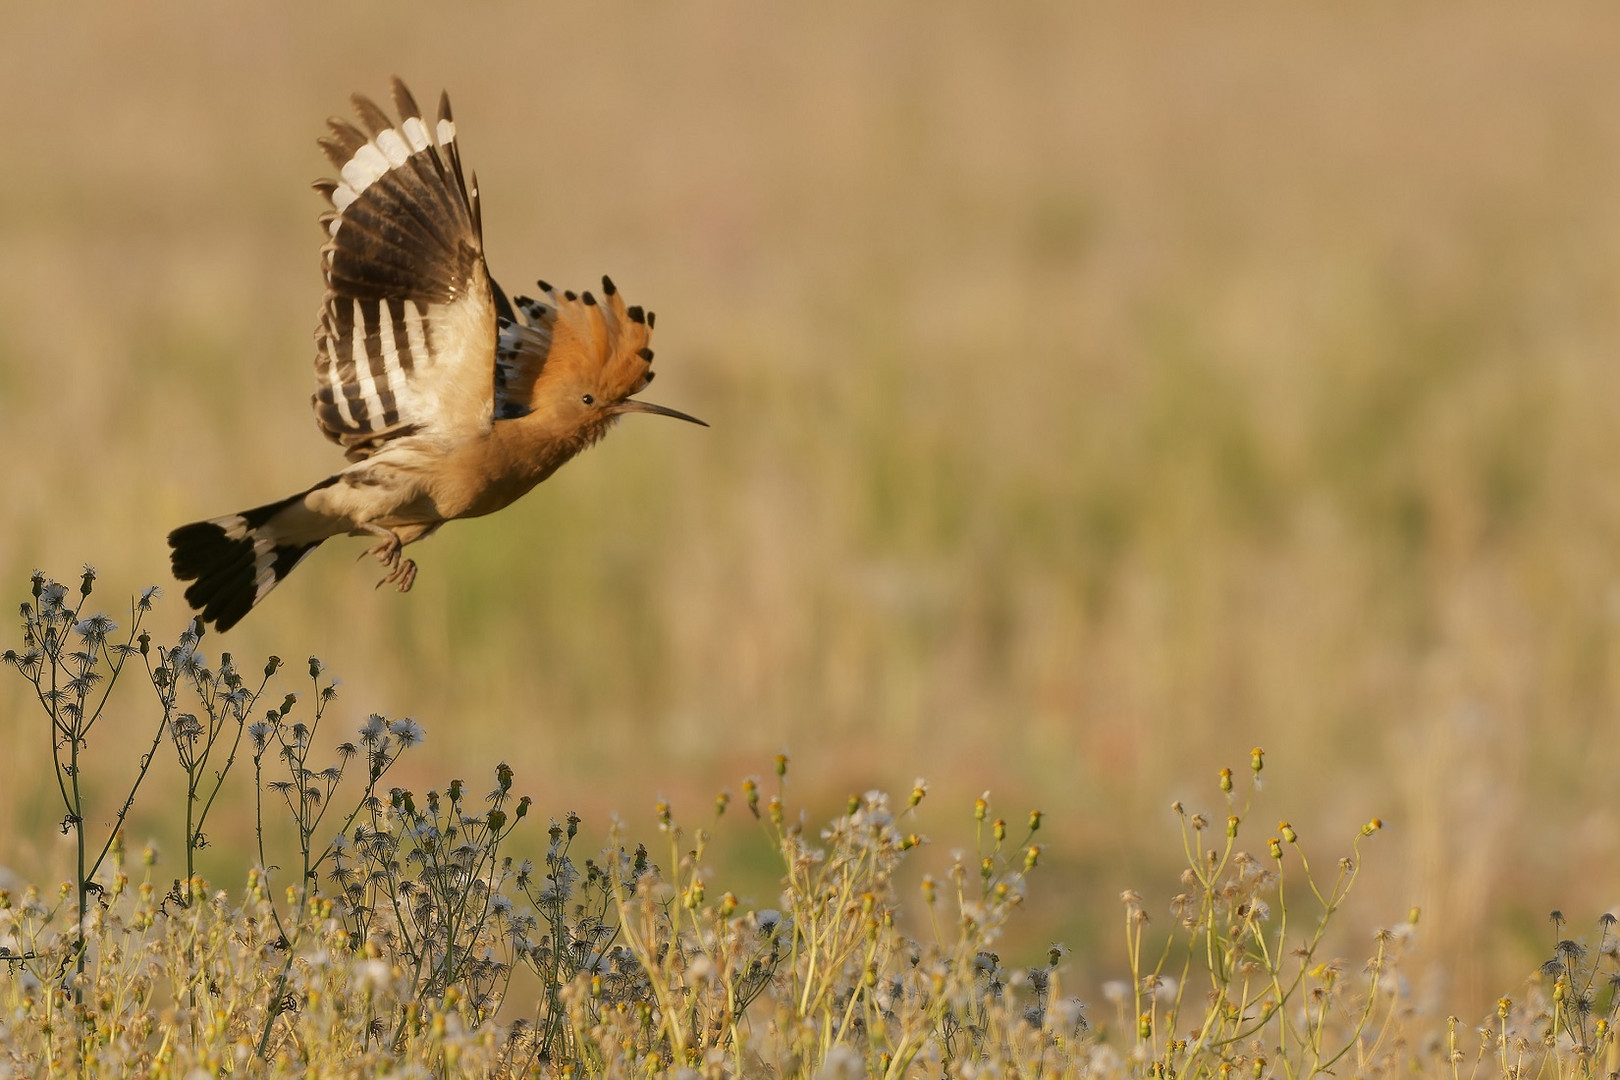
point(234, 561)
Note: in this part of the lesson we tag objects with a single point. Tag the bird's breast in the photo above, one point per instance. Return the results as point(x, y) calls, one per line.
point(495, 472)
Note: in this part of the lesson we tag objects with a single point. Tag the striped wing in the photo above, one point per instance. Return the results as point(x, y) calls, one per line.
point(406, 341)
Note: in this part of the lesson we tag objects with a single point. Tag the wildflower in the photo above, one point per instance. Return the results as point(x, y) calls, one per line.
point(1068, 1016)
point(188, 661)
point(372, 729)
point(700, 969)
point(51, 598)
point(373, 976)
point(407, 731)
point(148, 594)
point(842, 1062)
point(95, 629)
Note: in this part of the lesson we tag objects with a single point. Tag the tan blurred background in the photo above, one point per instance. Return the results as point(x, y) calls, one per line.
point(1095, 396)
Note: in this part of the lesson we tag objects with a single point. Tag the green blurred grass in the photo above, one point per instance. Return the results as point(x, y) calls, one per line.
point(1095, 395)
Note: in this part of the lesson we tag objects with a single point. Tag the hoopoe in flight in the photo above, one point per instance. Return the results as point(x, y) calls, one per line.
point(449, 400)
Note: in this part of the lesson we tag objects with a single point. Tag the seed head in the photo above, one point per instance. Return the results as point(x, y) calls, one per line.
point(407, 731)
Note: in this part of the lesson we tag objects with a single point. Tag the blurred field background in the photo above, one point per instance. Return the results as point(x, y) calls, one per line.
point(1096, 395)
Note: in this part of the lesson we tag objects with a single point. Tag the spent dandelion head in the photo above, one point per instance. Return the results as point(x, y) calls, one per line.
point(52, 598)
point(95, 630)
point(373, 729)
point(407, 731)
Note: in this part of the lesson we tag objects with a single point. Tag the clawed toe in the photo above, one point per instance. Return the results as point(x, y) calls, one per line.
point(401, 574)
point(401, 571)
point(385, 552)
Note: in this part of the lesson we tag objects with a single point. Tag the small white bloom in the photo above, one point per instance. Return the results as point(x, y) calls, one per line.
point(373, 976)
point(95, 629)
point(407, 731)
point(372, 729)
point(1067, 1016)
point(842, 1063)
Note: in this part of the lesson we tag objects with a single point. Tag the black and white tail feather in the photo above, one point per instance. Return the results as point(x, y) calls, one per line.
point(234, 561)
point(405, 345)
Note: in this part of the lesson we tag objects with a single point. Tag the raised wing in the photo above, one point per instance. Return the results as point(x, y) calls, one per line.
point(406, 341)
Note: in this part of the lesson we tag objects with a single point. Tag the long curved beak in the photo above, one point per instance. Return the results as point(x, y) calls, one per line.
point(632, 405)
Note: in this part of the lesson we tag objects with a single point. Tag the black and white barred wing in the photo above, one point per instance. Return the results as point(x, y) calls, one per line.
point(406, 342)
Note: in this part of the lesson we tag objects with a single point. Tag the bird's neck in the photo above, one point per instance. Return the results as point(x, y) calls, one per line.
point(536, 445)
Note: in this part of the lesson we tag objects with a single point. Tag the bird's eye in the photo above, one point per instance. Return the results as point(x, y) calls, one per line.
point(588, 399)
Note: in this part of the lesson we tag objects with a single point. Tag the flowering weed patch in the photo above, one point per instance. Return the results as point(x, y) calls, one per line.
point(410, 934)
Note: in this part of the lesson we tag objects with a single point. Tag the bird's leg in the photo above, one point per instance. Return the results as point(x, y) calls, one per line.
point(401, 571)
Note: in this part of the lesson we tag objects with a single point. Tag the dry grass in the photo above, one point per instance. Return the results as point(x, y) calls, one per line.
point(1095, 396)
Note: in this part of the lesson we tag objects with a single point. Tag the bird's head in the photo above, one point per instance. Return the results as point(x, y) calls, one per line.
point(596, 358)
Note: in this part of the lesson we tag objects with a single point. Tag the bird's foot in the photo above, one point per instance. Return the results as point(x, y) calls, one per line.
point(386, 550)
point(401, 574)
point(401, 571)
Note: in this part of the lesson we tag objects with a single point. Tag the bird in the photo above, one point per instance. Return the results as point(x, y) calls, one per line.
point(449, 399)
